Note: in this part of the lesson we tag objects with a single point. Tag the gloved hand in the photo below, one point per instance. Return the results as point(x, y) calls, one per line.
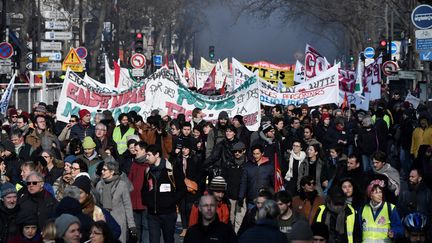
point(133, 232)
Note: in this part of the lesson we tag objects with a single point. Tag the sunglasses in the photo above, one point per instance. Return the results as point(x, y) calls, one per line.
point(237, 151)
point(311, 183)
point(14, 116)
point(34, 183)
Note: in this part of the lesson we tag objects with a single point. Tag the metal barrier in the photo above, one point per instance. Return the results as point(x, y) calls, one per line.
point(24, 96)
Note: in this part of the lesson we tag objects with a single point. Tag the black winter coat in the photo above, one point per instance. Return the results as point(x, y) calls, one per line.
point(254, 178)
point(170, 180)
point(367, 141)
point(42, 204)
point(216, 231)
point(264, 231)
point(8, 228)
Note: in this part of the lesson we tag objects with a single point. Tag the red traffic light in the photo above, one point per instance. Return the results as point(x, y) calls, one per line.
point(139, 36)
point(383, 43)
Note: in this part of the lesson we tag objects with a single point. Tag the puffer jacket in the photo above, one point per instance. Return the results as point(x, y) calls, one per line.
point(254, 178)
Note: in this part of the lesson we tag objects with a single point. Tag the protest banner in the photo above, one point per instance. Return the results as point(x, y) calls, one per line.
point(322, 89)
point(267, 72)
point(208, 66)
point(412, 100)
point(4, 101)
point(299, 73)
point(315, 63)
point(159, 91)
point(125, 77)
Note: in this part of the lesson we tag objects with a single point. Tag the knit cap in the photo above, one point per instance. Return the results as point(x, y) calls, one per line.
point(266, 128)
point(301, 231)
point(223, 115)
point(82, 113)
point(88, 143)
point(83, 183)
point(63, 222)
point(7, 188)
point(217, 184)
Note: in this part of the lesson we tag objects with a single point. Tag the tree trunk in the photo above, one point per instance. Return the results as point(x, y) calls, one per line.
point(95, 47)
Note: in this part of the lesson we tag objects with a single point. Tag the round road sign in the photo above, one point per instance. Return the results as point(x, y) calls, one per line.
point(421, 16)
point(6, 50)
point(138, 60)
point(389, 68)
point(82, 52)
point(369, 52)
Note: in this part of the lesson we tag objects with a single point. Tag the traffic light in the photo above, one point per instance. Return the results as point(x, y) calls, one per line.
point(139, 43)
point(351, 56)
point(212, 52)
point(384, 49)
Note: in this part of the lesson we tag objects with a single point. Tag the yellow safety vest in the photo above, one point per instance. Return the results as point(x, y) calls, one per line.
point(122, 141)
point(376, 230)
point(350, 220)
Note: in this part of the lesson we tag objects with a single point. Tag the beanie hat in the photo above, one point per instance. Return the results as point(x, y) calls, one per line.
point(41, 108)
point(7, 188)
point(63, 222)
point(82, 113)
point(320, 229)
point(267, 128)
point(239, 146)
point(88, 143)
point(301, 231)
point(83, 183)
point(217, 184)
point(68, 205)
point(223, 115)
point(70, 159)
point(9, 146)
point(374, 183)
point(325, 116)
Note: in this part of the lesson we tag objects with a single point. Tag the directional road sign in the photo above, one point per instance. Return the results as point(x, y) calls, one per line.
point(57, 25)
point(424, 44)
point(53, 56)
point(138, 60)
point(157, 60)
point(369, 52)
point(51, 46)
point(6, 50)
point(421, 16)
point(58, 35)
point(426, 55)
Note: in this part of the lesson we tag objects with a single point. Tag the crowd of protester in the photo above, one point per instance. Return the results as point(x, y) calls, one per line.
point(309, 174)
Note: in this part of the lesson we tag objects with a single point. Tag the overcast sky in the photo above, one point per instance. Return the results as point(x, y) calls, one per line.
point(251, 39)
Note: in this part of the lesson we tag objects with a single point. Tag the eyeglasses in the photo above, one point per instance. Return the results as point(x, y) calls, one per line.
point(311, 183)
point(237, 151)
point(95, 233)
point(34, 183)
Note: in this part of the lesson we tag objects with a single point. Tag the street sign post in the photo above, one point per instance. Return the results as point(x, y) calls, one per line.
point(58, 35)
point(423, 34)
point(50, 66)
point(138, 60)
point(53, 56)
point(421, 16)
point(6, 50)
point(157, 60)
point(137, 72)
point(55, 14)
point(81, 52)
point(424, 44)
point(369, 52)
point(57, 25)
point(73, 62)
point(51, 46)
point(5, 66)
point(389, 68)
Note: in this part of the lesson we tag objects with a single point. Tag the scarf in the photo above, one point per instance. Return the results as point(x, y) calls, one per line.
point(392, 175)
point(340, 218)
point(374, 206)
point(300, 158)
point(141, 159)
point(106, 192)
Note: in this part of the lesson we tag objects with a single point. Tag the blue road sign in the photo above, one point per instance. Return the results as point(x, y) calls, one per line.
point(426, 55)
point(393, 48)
point(369, 52)
point(421, 16)
point(424, 44)
point(6, 50)
point(157, 60)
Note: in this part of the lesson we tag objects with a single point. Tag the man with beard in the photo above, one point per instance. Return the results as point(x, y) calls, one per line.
point(217, 134)
point(287, 217)
point(417, 198)
point(40, 131)
point(8, 211)
point(121, 132)
point(209, 228)
point(83, 128)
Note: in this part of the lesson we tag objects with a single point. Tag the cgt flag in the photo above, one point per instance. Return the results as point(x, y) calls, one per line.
point(278, 180)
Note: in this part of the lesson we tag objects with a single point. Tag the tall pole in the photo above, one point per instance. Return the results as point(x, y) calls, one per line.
point(34, 43)
point(38, 32)
point(80, 35)
point(3, 18)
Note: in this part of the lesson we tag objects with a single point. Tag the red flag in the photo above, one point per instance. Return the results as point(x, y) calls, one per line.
point(278, 180)
point(210, 82)
point(166, 60)
point(222, 89)
point(345, 102)
point(116, 74)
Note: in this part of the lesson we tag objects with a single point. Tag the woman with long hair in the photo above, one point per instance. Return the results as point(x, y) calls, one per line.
point(315, 167)
point(53, 168)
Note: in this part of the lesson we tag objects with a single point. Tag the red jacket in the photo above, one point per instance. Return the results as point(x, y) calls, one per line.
point(222, 211)
point(136, 176)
